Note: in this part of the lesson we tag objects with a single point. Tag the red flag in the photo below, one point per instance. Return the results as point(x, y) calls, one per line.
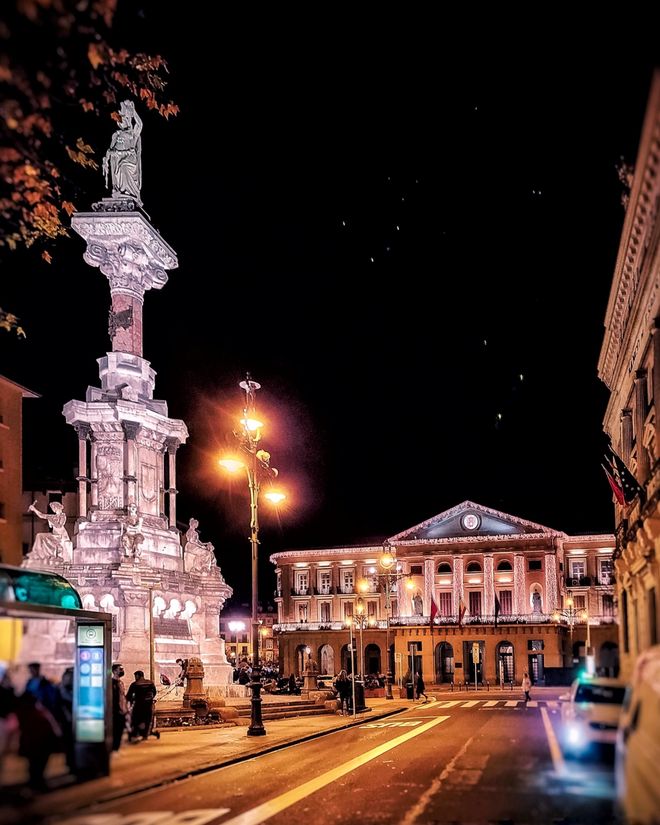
point(434, 612)
point(618, 492)
point(461, 611)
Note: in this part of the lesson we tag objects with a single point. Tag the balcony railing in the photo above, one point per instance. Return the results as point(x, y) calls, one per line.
point(347, 589)
point(301, 591)
point(289, 627)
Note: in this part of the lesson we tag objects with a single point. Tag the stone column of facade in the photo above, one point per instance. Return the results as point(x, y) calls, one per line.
point(489, 584)
point(519, 585)
point(429, 579)
point(83, 431)
point(457, 583)
point(135, 638)
point(172, 445)
point(93, 481)
point(626, 435)
point(640, 416)
point(551, 592)
point(131, 430)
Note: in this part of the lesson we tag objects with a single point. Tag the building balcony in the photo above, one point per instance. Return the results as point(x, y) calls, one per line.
point(291, 627)
point(347, 590)
point(301, 591)
point(324, 590)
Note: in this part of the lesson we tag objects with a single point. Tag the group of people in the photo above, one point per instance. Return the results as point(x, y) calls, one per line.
point(41, 717)
point(132, 710)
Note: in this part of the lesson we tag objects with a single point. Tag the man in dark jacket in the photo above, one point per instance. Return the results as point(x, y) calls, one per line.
point(119, 706)
point(140, 696)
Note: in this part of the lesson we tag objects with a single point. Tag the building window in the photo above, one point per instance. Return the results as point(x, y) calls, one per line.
point(578, 568)
point(416, 570)
point(302, 582)
point(504, 565)
point(506, 602)
point(624, 621)
point(605, 571)
point(608, 605)
point(325, 582)
point(394, 607)
point(444, 567)
point(535, 564)
point(2, 510)
point(372, 610)
point(473, 567)
point(653, 618)
point(348, 610)
point(444, 604)
point(475, 603)
point(580, 602)
point(302, 612)
point(347, 579)
point(324, 611)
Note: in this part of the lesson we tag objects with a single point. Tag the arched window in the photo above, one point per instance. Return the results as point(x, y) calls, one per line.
point(504, 565)
point(444, 567)
point(473, 567)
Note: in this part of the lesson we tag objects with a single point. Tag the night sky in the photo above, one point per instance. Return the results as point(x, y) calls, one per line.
point(413, 255)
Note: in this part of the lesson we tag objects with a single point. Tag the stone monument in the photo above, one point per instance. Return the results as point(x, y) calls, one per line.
point(126, 555)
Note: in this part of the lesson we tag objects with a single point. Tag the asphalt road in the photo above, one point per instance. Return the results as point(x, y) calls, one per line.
point(442, 762)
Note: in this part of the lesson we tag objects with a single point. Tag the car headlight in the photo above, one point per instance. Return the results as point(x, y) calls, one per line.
point(574, 734)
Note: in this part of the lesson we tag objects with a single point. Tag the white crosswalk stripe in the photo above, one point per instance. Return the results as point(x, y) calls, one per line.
point(501, 704)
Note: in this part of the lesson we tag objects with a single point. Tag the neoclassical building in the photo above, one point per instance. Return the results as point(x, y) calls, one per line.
point(629, 366)
point(469, 559)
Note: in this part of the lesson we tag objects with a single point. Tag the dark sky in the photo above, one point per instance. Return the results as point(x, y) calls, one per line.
point(387, 240)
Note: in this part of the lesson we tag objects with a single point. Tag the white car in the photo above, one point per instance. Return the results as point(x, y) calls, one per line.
point(590, 713)
point(638, 743)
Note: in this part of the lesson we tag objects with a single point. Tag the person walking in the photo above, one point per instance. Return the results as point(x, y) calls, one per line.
point(343, 688)
point(141, 694)
point(420, 688)
point(526, 686)
point(119, 706)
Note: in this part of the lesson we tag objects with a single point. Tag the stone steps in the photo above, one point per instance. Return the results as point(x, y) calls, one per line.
point(284, 710)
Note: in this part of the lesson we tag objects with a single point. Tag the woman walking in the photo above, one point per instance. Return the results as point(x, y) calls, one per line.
point(421, 688)
point(526, 686)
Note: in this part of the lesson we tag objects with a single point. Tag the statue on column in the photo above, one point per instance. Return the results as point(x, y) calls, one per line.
point(131, 532)
point(55, 545)
point(123, 160)
point(198, 555)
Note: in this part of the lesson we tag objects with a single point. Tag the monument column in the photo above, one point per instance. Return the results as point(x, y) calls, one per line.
point(172, 445)
point(93, 481)
point(131, 430)
point(83, 430)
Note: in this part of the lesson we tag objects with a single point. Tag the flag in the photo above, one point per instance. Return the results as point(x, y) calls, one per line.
point(618, 492)
point(498, 608)
point(627, 481)
point(461, 611)
point(434, 612)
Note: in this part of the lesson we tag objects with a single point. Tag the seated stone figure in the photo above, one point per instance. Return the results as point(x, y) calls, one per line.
point(198, 555)
point(55, 545)
point(131, 532)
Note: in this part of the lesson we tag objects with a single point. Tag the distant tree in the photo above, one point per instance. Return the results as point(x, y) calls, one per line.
point(58, 71)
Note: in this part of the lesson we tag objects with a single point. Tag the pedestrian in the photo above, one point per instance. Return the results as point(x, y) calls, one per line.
point(526, 686)
point(39, 737)
point(64, 716)
point(343, 688)
point(119, 706)
point(421, 688)
point(43, 690)
point(141, 694)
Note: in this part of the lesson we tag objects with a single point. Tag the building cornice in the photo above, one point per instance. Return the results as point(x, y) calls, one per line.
point(625, 302)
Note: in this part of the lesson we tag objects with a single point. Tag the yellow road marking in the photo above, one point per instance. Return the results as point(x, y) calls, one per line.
point(555, 750)
point(274, 806)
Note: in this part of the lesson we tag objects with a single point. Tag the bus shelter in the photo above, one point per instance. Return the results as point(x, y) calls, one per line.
point(34, 595)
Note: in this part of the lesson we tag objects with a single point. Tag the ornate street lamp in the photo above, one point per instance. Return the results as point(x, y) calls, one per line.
point(257, 467)
point(389, 575)
point(571, 615)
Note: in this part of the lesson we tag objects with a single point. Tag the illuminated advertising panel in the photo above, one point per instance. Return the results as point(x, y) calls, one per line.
point(90, 667)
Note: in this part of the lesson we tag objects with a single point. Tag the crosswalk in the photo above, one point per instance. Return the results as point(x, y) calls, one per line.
point(495, 703)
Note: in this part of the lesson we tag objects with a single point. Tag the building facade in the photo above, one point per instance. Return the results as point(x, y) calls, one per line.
point(471, 563)
point(629, 365)
point(235, 627)
point(11, 469)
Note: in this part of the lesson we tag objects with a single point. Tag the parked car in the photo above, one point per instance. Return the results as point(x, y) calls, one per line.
point(590, 713)
point(638, 742)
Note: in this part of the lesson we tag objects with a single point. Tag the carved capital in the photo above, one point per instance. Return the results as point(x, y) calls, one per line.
point(171, 444)
point(83, 430)
point(131, 428)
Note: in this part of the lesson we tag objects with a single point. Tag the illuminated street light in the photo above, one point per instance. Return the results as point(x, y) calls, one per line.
point(257, 467)
point(572, 615)
point(389, 575)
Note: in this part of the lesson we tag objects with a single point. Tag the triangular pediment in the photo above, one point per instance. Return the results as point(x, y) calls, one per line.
point(470, 519)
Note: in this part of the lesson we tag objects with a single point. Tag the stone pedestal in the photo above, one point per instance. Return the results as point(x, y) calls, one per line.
point(194, 682)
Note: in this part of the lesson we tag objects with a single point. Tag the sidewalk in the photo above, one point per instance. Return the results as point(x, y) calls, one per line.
point(184, 751)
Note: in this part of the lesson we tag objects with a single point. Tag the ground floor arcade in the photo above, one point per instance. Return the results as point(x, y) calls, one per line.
point(459, 654)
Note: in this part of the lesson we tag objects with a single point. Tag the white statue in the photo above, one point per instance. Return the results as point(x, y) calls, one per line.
point(200, 553)
point(131, 532)
point(48, 546)
point(123, 160)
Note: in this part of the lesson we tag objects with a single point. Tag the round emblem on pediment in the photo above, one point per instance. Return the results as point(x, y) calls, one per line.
point(470, 521)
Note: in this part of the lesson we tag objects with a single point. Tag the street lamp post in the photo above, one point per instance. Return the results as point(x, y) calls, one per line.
point(349, 622)
point(388, 575)
point(257, 466)
point(360, 621)
point(571, 614)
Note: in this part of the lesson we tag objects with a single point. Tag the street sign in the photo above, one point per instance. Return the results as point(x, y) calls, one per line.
point(475, 653)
